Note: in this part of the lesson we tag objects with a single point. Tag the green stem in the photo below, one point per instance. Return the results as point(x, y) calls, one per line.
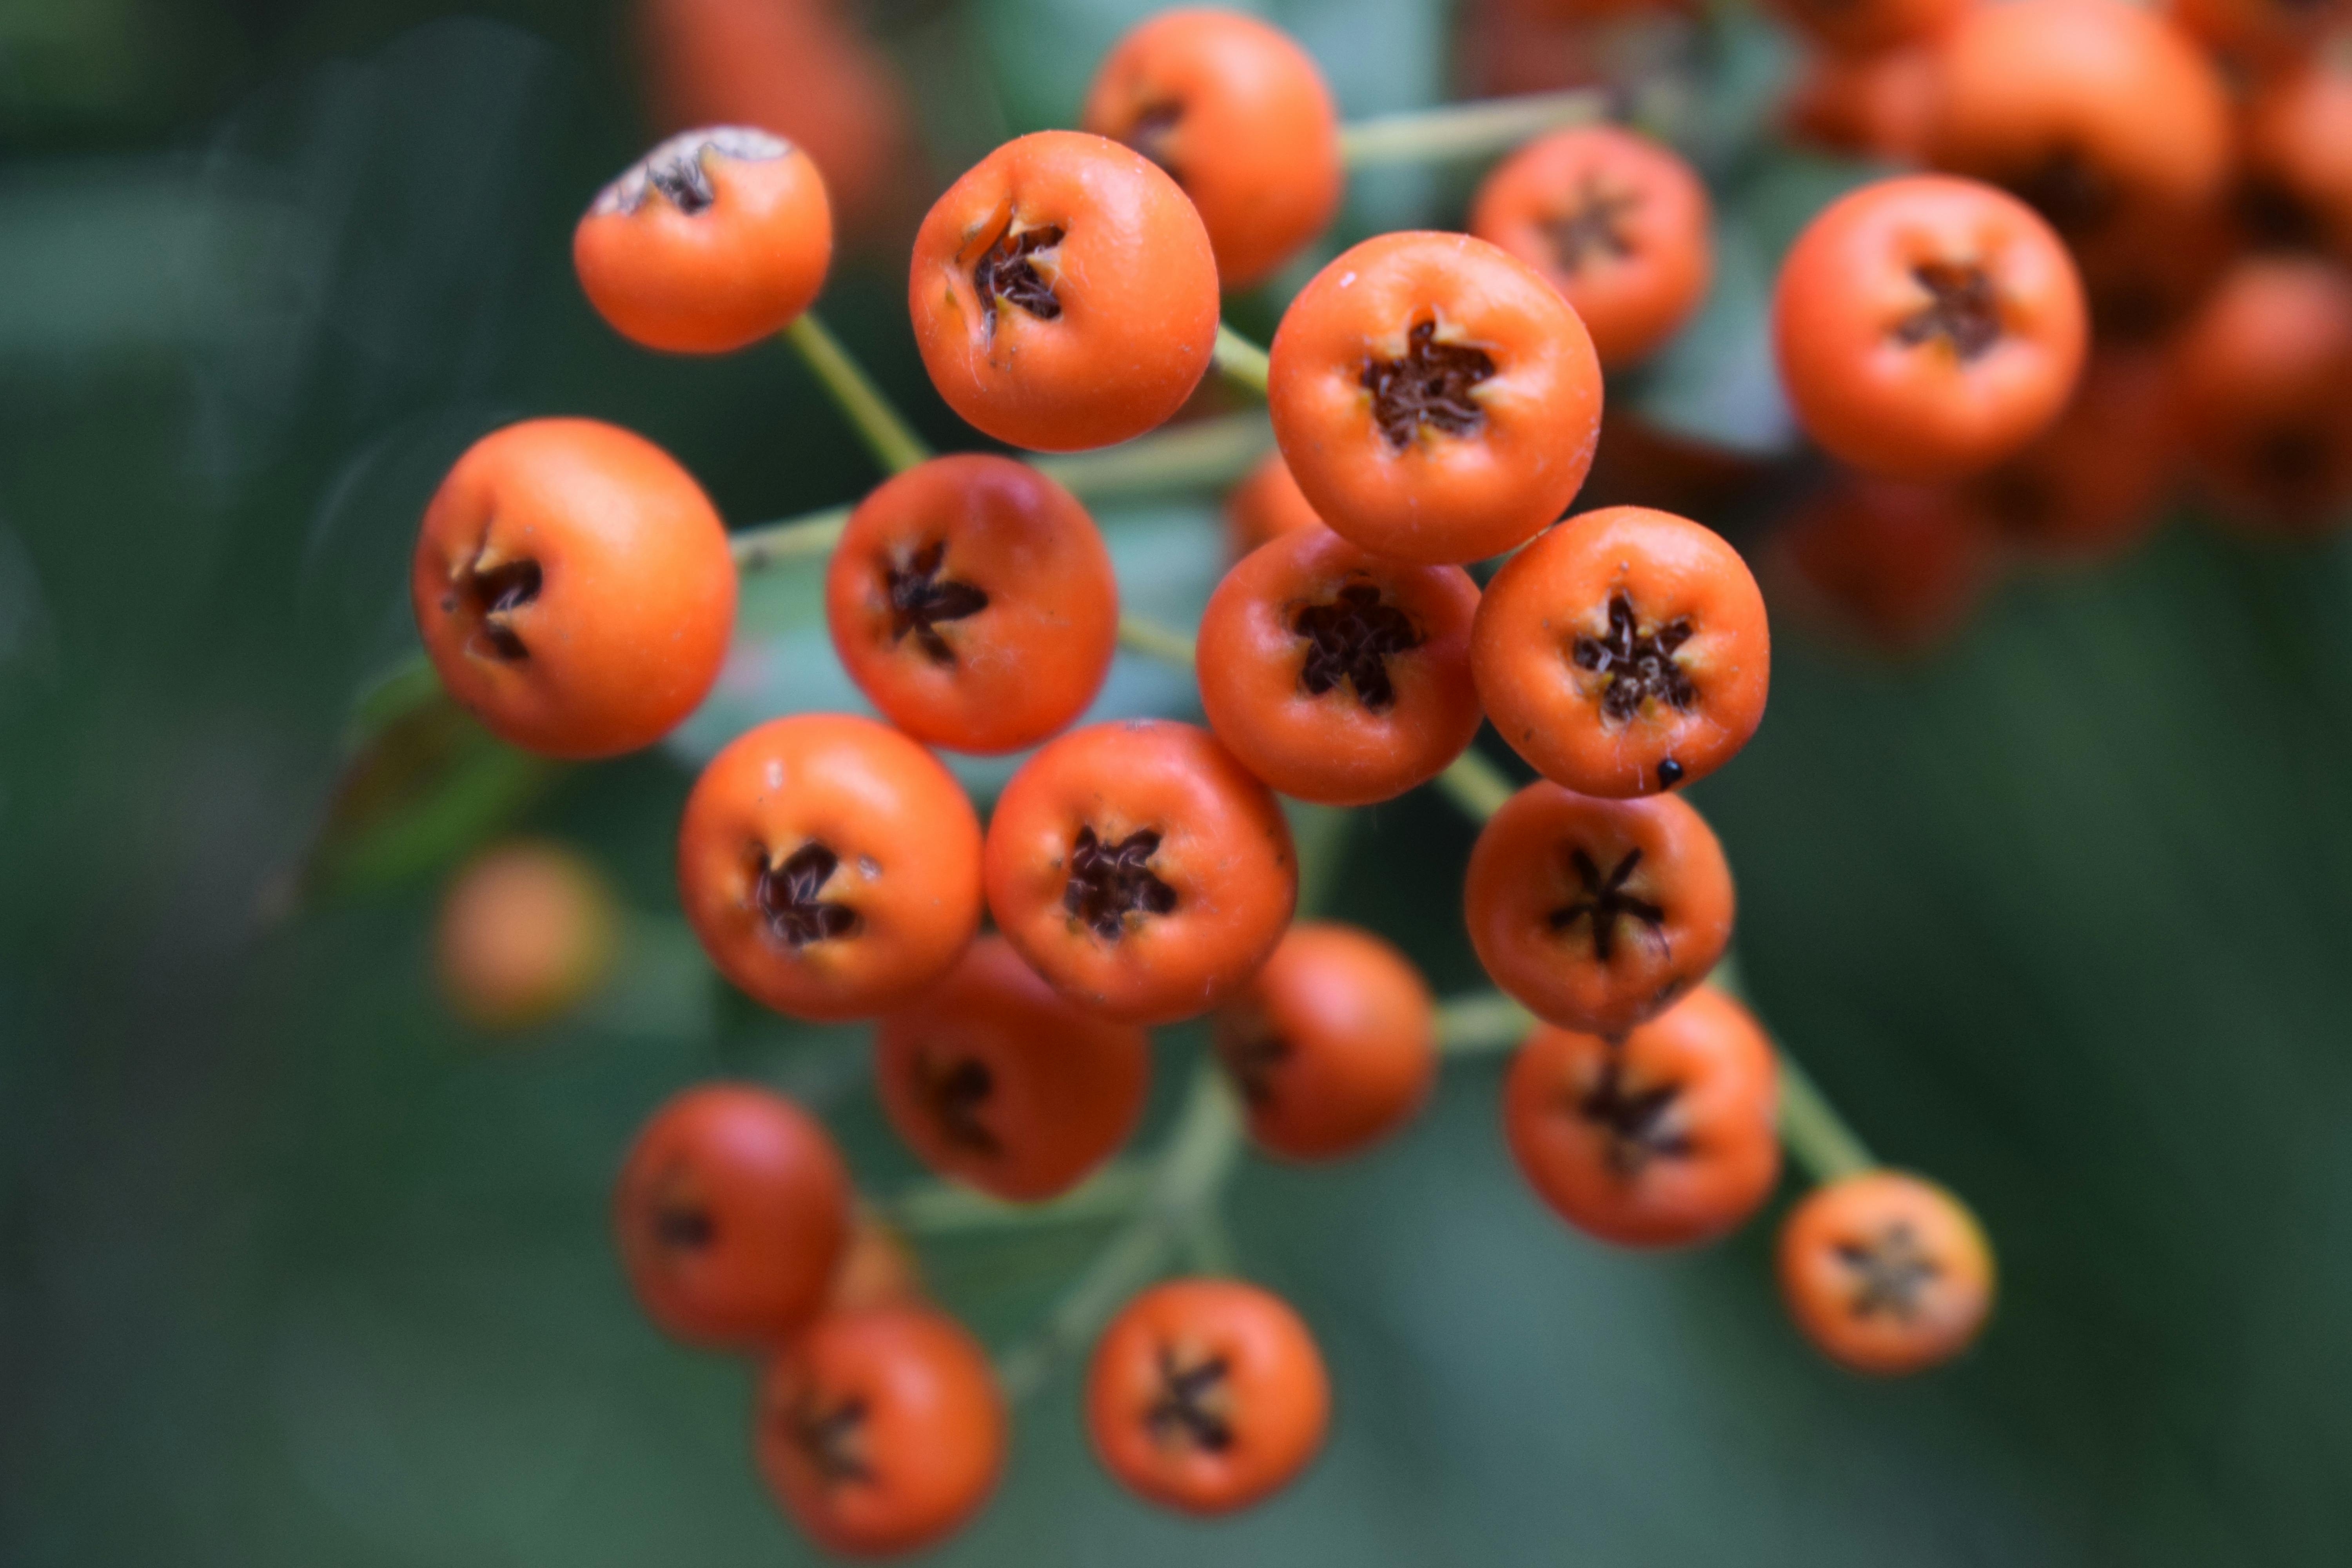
point(794, 539)
point(883, 428)
point(1205, 453)
point(1140, 634)
point(1816, 1136)
point(1477, 786)
point(1238, 359)
point(1185, 1180)
point(942, 1208)
point(1467, 130)
point(1482, 1022)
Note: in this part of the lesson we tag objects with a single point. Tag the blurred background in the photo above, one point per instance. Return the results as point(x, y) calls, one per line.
point(298, 1268)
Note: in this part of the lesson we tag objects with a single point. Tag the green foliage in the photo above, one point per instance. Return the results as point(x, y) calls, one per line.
point(297, 1272)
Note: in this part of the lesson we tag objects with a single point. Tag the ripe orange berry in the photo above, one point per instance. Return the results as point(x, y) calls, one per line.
point(1238, 115)
point(1597, 914)
point(1063, 293)
point(2092, 484)
point(1333, 1043)
point(1623, 652)
point(1871, 27)
point(1435, 398)
point(1206, 1396)
point(574, 587)
point(1661, 1139)
point(1886, 1273)
point(2298, 145)
point(995, 1079)
point(732, 1210)
point(1140, 869)
point(1899, 566)
point(1336, 675)
point(1267, 503)
point(2263, 376)
point(1866, 105)
point(1928, 328)
point(712, 240)
point(972, 599)
point(1615, 222)
point(2260, 32)
point(830, 866)
point(2092, 111)
point(881, 1431)
point(527, 931)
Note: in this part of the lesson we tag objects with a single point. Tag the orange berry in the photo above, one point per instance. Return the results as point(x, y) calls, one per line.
point(526, 930)
point(1886, 1273)
point(1264, 505)
point(2264, 378)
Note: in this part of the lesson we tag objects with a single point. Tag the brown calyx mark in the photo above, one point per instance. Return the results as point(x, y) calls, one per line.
point(2072, 194)
point(681, 1221)
point(2291, 462)
point(1150, 134)
point(1640, 1124)
point(1352, 639)
point(1963, 308)
point(1590, 227)
point(1606, 901)
point(1253, 1053)
point(1110, 881)
point(491, 594)
point(787, 895)
point(674, 168)
point(830, 1439)
point(1890, 1271)
point(1638, 665)
point(955, 1095)
point(1007, 270)
point(1194, 1405)
point(920, 599)
point(1427, 388)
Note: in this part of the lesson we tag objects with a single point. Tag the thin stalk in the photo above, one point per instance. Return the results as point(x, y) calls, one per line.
point(1184, 1179)
point(794, 539)
point(1477, 786)
point(879, 424)
point(1467, 130)
point(941, 1208)
point(1140, 634)
point(1482, 1022)
point(1816, 1136)
point(1238, 359)
point(1203, 455)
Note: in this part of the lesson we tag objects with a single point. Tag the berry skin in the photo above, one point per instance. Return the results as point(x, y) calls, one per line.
point(1597, 914)
point(1886, 1273)
point(574, 587)
point(878, 1269)
point(972, 599)
point(1898, 567)
point(712, 241)
point(527, 931)
point(2264, 378)
point(1206, 1396)
point(1872, 27)
point(2095, 112)
point(1238, 115)
point(2094, 484)
point(1140, 869)
point(732, 1211)
point(995, 1079)
point(1336, 675)
point(1664, 1138)
point(2260, 33)
point(1435, 398)
point(2298, 146)
point(1866, 105)
point(1333, 1043)
point(1618, 225)
point(881, 1431)
point(830, 866)
point(1624, 653)
point(1063, 293)
point(1927, 327)
point(1265, 504)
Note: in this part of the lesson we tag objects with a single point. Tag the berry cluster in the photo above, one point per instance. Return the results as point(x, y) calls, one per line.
point(1436, 399)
